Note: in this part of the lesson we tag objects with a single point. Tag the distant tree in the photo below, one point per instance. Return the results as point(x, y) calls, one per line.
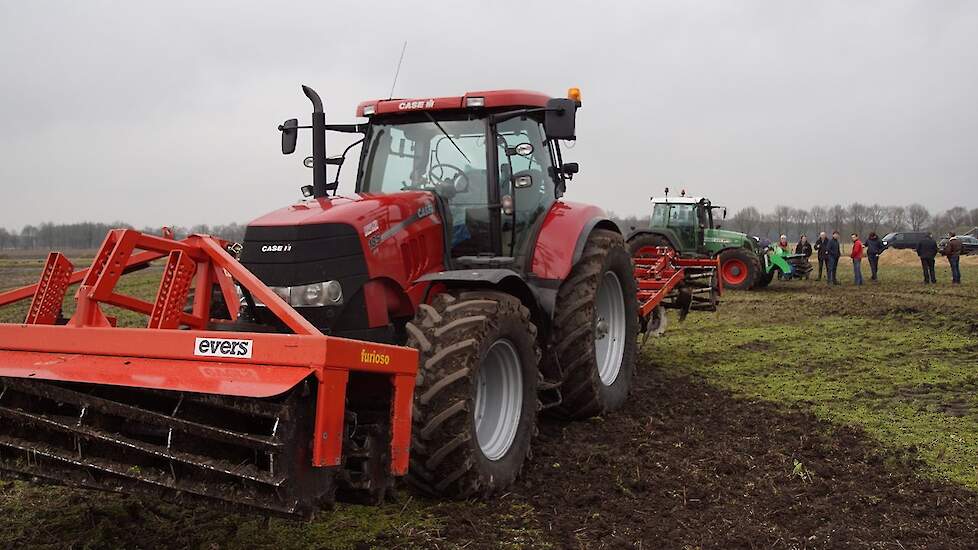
point(858, 215)
point(896, 217)
point(782, 215)
point(917, 216)
point(876, 215)
point(746, 220)
point(819, 215)
point(837, 218)
point(800, 218)
point(973, 217)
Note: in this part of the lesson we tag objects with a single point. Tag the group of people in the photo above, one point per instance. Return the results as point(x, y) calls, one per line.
point(829, 251)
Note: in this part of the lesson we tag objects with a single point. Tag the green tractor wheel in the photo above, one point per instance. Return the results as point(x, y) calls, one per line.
point(739, 268)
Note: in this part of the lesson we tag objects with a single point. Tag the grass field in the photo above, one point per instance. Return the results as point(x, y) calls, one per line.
point(816, 391)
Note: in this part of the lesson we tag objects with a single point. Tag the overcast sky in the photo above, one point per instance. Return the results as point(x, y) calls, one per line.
point(166, 113)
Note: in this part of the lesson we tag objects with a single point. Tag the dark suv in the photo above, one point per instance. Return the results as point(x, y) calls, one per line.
point(969, 244)
point(903, 239)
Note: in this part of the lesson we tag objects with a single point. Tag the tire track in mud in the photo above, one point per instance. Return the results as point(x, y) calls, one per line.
point(688, 465)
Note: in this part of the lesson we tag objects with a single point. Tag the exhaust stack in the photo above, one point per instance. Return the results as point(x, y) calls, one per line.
point(318, 143)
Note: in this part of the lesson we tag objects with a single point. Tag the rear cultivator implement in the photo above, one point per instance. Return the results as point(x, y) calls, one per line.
point(667, 280)
point(192, 405)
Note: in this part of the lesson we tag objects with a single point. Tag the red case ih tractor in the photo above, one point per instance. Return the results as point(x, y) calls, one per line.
point(434, 312)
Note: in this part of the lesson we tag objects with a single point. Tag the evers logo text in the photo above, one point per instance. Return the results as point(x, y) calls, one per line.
point(223, 347)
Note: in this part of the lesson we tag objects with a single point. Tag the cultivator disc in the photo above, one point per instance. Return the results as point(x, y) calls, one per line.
point(241, 451)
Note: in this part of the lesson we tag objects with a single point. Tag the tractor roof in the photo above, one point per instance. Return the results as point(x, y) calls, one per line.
point(679, 200)
point(490, 99)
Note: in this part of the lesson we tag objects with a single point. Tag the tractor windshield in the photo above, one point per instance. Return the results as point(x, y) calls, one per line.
point(447, 157)
point(684, 219)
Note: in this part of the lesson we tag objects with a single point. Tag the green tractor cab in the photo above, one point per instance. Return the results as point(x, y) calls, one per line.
point(688, 225)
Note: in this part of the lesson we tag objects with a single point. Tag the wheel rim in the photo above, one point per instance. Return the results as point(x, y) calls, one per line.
point(609, 328)
point(734, 271)
point(498, 399)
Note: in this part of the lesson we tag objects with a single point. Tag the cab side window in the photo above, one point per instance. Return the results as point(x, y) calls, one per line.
point(526, 177)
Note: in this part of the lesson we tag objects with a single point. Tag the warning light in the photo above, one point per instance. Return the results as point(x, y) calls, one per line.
point(575, 94)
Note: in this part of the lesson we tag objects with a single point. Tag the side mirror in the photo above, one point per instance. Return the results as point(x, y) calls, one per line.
point(522, 179)
point(560, 119)
point(570, 168)
point(290, 134)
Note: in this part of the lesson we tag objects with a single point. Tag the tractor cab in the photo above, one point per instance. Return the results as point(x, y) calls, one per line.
point(491, 158)
point(686, 218)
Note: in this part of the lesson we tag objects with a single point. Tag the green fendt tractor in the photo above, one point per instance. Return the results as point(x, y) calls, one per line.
point(686, 224)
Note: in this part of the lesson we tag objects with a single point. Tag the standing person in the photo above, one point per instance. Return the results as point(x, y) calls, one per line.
point(952, 250)
point(820, 247)
point(874, 247)
point(804, 247)
point(857, 259)
point(927, 251)
point(832, 255)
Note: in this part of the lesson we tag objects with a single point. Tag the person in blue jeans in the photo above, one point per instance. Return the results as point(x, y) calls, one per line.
point(874, 247)
point(857, 259)
point(952, 251)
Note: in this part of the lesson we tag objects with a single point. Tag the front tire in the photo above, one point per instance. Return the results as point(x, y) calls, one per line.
point(595, 335)
point(476, 399)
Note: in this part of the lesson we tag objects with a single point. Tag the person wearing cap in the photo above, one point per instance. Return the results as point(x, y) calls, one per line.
point(952, 251)
point(857, 259)
point(927, 251)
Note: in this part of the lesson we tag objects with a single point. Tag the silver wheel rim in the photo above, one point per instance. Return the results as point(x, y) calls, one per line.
point(609, 328)
point(498, 399)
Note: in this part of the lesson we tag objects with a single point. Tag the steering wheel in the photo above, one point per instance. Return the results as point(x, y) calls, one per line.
point(448, 187)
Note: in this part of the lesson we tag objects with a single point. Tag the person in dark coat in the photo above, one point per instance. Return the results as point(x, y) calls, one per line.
point(804, 247)
point(832, 254)
point(952, 251)
point(927, 251)
point(820, 247)
point(874, 247)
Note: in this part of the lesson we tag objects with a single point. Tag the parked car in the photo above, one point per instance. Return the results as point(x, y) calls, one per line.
point(969, 244)
point(903, 239)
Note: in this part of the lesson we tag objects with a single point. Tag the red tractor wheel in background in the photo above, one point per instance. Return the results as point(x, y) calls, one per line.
point(739, 268)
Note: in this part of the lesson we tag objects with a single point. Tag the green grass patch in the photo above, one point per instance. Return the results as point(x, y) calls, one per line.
point(896, 359)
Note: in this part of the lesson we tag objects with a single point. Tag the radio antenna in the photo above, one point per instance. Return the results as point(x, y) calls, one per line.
point(398, 70)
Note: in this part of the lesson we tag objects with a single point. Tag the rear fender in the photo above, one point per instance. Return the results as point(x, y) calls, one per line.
point(560, 243)
point(667, 235)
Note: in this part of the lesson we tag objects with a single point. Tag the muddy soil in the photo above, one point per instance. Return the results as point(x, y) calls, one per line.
point(687, 466)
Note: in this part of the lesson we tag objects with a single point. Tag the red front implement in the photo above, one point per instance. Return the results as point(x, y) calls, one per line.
point(61, 360)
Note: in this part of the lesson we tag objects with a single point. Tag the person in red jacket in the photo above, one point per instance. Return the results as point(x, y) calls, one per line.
point(857, 259)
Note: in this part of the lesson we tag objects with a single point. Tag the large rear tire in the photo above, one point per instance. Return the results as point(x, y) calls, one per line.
point(476, 400)
point(595, 335)
point(739, 268)
point(645, 245)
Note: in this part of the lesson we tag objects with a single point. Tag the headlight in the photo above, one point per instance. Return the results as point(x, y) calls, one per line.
point(326, 293)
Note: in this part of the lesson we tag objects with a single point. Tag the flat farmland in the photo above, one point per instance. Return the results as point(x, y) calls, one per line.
point(800, 416)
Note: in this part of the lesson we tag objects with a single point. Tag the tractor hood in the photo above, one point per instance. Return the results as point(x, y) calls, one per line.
point(726, 238)
point(359, 211)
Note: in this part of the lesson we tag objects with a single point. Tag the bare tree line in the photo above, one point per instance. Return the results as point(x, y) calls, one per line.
point(855, 218)
point(89, 235)
point(783, 220)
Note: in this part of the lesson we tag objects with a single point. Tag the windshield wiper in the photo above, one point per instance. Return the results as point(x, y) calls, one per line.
point(435, 122)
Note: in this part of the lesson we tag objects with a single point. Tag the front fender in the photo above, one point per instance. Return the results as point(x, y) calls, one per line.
point(560, 243)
